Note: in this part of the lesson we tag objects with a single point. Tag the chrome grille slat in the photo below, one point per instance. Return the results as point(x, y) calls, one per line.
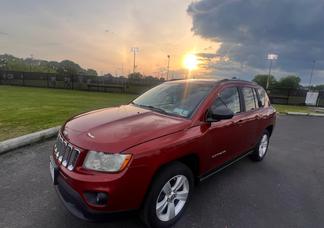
point(66, 153)
point(74, 155)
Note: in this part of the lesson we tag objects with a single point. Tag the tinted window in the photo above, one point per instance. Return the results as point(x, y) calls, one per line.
point(262, 96)
point(248, 99)
point(230, 98)
point(255, 98)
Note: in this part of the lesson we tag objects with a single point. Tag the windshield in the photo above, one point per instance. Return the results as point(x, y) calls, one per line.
point(175, 98)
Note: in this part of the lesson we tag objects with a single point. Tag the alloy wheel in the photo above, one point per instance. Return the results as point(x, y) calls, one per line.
point(172, 198)
point(263, 145)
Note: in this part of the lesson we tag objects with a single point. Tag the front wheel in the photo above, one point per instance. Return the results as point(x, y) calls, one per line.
point(168, 196)
point(261, 148)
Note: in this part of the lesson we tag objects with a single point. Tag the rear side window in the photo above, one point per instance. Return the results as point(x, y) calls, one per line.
point(249, 99)
point(262, 96)
point(230, 98)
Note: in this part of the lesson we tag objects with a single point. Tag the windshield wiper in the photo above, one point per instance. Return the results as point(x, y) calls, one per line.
point(160, 110)
point(154, 108)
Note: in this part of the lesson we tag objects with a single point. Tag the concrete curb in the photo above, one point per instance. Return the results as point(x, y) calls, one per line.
point(304, 114)
point(297, 113)
point(316, 114)
point(24, 140)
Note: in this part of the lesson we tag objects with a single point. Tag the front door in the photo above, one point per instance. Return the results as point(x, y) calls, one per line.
point(223, 137)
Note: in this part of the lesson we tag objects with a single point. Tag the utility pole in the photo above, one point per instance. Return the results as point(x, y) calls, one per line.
point(311, 75)
point(31, 61)
point(168, 68)
point(268, 79)
point(134, 50)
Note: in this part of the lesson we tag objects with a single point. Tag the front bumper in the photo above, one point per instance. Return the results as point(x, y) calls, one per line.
point(75, 204)
point(125, 190)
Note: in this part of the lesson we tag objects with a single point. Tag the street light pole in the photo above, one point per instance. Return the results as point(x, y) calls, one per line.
point(268, 79)
point(311, 75)
point(271, 57)
point(134, 50)
point(168, 68)
point(134, 66)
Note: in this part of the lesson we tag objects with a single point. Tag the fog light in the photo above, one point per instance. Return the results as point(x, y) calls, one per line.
point(101, 198)
point(96, 198)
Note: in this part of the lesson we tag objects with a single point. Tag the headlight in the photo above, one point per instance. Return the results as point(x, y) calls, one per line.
point(105, 162)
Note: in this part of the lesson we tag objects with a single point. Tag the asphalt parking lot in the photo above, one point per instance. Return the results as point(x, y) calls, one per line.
point(285, 190)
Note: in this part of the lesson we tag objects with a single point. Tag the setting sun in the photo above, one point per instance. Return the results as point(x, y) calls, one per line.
point(190, 62)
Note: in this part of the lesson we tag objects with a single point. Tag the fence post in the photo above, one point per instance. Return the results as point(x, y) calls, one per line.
point(98, 89)
point(320, 93)
point(72, 81)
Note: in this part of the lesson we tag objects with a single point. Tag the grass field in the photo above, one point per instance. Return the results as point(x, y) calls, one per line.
point(291, 108)
point(24, 110)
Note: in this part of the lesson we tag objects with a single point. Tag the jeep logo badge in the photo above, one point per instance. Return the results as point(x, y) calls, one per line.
point(90, 135)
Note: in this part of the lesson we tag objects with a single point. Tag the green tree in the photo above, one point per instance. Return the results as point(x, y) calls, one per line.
point(320, 87)
point(135, 76)
point(261, 79)
point(91, 72)
point(68, 67)
point(289, 82)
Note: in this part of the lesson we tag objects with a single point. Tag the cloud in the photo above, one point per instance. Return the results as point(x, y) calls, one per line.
point(207, 55)
point(50, 44)
point(249, 29)
point(3, 34)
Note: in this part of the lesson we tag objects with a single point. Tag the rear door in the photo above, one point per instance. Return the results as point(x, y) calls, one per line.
point(249, 119)
point(265, 110)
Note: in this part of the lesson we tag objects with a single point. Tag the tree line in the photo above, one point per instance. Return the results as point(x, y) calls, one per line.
point(287, 82)
point(69, 68)
point(66, 67)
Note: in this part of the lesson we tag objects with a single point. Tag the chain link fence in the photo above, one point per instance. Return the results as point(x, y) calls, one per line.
point(125, 85)
point(293, 96)
point(77, 82)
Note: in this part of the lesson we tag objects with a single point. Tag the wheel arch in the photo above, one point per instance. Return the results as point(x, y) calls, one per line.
point(190, 160)
point(270, 129)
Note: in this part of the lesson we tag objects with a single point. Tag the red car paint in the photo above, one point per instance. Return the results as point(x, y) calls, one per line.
point(155, 139)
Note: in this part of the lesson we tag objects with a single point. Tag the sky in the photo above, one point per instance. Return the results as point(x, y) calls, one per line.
point(231, 38)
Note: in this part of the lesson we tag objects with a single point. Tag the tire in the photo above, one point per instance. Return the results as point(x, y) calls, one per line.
point(170, 191)
point(261, 148)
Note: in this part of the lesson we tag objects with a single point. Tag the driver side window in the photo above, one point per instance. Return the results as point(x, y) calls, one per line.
point(230, 98)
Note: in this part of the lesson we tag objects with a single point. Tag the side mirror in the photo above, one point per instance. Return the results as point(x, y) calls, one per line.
point(260, 104)
point(219, 113)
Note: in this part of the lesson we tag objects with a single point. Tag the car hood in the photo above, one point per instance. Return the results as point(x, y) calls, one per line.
point(119, 128)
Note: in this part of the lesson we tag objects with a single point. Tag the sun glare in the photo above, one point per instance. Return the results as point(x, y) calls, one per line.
point(190, 62)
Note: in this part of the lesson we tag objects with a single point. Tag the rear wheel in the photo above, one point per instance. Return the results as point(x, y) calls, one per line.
point(168, 196)
point(261, 148)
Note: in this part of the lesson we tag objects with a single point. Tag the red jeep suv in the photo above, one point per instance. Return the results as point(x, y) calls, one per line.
point(149, 154)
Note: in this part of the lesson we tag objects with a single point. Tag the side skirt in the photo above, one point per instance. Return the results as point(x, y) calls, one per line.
point(218, 169)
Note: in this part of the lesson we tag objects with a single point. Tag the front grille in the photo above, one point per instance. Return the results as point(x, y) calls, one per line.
point(65, 153)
